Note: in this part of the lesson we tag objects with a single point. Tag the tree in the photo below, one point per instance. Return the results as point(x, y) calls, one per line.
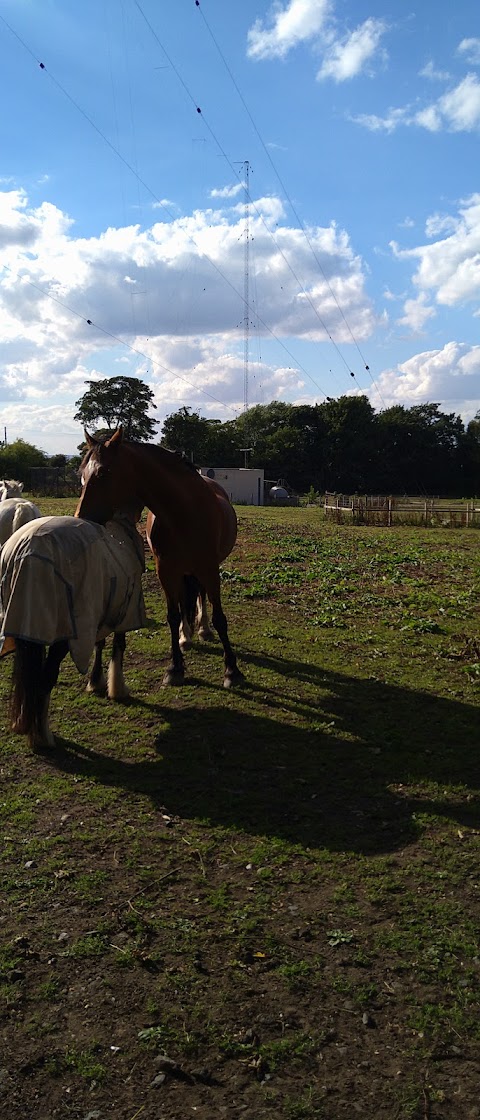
point(348, 437)
point(115, 401)
point(206, 442)
point(18, 458)
point(420, 450)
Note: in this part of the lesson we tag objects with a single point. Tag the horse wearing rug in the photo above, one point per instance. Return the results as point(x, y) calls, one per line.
point(192, 527)
point(15, 512)
point(65, 584)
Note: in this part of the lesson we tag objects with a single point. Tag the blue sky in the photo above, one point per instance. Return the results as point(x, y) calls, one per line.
point(121, 204)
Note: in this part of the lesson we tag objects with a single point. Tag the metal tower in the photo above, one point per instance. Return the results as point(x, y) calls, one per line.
point(246, 321)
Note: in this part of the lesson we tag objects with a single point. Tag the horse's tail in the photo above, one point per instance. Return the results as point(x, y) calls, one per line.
point(25, 512)
point(192, 588)
point(27, 697)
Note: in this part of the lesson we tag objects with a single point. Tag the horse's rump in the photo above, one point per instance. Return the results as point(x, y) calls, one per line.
point(216, 512)
point(15, 512)
point(66, 579)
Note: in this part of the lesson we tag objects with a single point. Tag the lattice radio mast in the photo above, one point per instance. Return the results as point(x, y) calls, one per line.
point(246, 263)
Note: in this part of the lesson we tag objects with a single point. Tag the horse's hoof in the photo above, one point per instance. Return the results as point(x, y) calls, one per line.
point(174, 678)
point(232, 677)
point(99, 689)
point(18, 726)
point(206, 636)
point(120, 697)
point(186, 643)
point(38, 745)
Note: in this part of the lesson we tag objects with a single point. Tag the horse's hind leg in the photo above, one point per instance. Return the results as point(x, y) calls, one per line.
point(205, 632)
point(175, 673)
point(39, 733)
point(188, 605)
point(185, 633)
point(219, 621)
point(117, 689)
point(174, 590)
point(96, 682)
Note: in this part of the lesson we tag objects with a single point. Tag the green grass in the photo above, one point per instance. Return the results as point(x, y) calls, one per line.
point(276, 887)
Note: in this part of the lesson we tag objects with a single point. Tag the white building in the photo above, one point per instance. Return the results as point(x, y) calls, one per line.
point(241, 483)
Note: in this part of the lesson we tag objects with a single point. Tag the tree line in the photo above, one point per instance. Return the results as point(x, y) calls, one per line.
point(342, 445)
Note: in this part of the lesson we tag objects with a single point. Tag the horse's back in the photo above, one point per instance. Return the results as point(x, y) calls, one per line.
point(15, 512)
point(62, 578)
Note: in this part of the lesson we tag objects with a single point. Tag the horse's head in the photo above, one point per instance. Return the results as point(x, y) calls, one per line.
point(106, 483)
point(10, 488)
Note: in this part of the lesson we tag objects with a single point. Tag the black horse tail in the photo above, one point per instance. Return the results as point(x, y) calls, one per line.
point(192, 588)
point(27, 697)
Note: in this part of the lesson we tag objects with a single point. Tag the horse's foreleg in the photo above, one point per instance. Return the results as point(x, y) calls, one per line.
point(117, 689)
point(175, 673)
point(96, 681)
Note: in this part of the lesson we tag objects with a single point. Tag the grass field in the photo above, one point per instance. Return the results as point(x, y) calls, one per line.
point(261, 903)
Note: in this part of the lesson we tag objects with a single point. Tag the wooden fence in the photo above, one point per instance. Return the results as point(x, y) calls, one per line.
point(385, 510)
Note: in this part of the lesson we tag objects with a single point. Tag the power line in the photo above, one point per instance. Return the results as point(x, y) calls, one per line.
point(122, 342)
point(259, 214)
point(287, 196)
point(150, 191)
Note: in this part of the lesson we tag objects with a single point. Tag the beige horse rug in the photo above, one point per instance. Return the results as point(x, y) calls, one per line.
point(62, 578)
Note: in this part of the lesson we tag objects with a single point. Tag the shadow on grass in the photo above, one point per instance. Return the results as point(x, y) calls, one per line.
point(336, 782)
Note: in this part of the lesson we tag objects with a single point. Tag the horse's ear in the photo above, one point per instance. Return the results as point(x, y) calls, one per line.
point(91, 442)
point(117, 437)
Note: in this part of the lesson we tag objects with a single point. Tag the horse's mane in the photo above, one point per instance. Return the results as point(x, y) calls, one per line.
point(158, 450)
point(155, 450)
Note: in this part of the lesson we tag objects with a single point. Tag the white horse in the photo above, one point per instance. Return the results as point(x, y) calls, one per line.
point(10, 488)
point(15, 512)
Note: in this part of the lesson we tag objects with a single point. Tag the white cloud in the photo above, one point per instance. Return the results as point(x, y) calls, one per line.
point(458, 110)
point(471, 48)
point(173, 292)
point(429, 118)
point(450, 267)
point(440, 223)
point(312, 21)
point(345, 59)
point(461, 106)
point(416, 313)
point(227, 192)
point(298, 22)
point(450, 376)
point(430, 71)
point(374, 123)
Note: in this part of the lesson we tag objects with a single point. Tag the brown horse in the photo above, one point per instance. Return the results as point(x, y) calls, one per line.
point(192, 527)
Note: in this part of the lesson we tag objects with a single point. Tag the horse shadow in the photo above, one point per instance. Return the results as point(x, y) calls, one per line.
point(350, 766)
